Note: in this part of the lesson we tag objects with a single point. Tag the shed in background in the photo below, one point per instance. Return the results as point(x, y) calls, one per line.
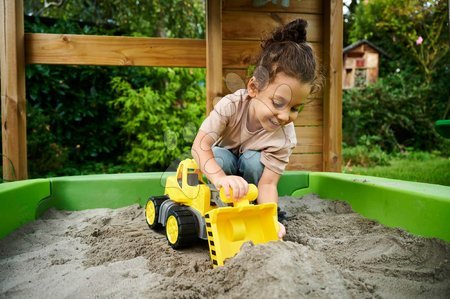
point(361, 64)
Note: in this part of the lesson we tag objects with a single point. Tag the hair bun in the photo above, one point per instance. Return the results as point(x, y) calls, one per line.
point(294, 31)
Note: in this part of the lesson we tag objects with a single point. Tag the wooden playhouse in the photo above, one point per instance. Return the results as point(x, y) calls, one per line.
point(234, 31)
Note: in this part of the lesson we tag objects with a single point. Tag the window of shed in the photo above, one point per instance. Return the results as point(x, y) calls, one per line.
point(360, 63)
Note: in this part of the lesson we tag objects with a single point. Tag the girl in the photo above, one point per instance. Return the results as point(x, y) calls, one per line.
point(249, 135)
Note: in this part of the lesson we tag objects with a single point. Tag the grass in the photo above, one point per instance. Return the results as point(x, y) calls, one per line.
point(431, 169)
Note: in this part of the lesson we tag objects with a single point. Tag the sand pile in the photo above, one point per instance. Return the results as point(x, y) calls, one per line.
point(329, 252)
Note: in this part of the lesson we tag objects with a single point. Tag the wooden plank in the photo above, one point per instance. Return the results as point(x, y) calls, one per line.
point(114, 50)
point(312, 114)
point(13, 105)
point(309, 139)
point(332, 104)
point(239, 54)
point(234, 79)
point(309, 162)
point(304, 6)
point(250, 25)
point(213, 52)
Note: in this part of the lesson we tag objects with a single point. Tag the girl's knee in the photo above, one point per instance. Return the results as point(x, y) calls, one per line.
point(226, 160)
point(250, 166)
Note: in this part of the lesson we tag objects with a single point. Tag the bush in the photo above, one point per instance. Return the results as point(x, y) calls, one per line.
point(366, 154)
point(399, 110)
point(72, 129)
point(45, 155)
point(159, 121)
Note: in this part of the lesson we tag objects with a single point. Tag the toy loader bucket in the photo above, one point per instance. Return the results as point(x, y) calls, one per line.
point(229, 227)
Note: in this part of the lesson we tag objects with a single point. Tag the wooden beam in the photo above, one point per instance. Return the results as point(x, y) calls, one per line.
point(251, 25)
point(242, 53)
point(332, 102)
point(213, 52)
point(71, 49)
point(297, 6)
point(113, 50)
point(12, 61)
point(305, 161)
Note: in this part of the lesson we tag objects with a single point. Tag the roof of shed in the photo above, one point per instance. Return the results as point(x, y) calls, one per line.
point(363, 41)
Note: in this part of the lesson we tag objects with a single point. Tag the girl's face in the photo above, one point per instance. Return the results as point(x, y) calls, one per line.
point(278, 104)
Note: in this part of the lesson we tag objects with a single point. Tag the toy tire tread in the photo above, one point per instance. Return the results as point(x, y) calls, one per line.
point(187, 230)
point(157, 202)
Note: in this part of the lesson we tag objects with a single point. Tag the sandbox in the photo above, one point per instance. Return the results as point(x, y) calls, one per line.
point(90, 239)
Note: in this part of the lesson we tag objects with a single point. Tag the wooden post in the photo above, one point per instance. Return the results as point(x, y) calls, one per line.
point(12, 61)
point(213, 52)
point(332, 101)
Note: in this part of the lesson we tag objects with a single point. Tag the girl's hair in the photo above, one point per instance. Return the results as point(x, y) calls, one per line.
point(287, 51)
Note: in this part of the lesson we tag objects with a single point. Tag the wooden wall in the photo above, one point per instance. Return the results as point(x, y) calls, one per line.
point(243, 27)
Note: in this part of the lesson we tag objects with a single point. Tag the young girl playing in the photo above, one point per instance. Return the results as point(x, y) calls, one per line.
point(249, 135)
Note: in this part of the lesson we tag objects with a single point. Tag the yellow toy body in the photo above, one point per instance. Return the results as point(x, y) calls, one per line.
point(192, 209)
point(187, 187)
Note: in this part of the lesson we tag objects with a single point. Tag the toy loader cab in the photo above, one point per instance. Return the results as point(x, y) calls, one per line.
point(192, 209)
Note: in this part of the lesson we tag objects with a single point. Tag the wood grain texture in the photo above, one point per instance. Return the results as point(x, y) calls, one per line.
point(332, 104)
point(308, 162)
point(309, 139)
point(242, 53)
point(213, 52)
point(245, 25)
point(114, 50)
point(312, 114)
point(13, 100)
point(303, 6)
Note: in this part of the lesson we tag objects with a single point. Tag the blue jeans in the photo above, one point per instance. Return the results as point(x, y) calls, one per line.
point(247, 165)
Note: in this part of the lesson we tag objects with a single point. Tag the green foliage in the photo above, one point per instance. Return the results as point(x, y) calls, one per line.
point(169, 18)
point(399, 111)
point(159, 121)
point(73, 102)
point(366, 153)
point(45, 155)
point(72, 127)
point(396, 27)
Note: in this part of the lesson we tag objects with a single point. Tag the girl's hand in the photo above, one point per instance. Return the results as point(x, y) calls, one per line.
point(234, 183)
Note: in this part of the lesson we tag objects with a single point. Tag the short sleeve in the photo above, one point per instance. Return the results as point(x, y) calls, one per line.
point(219, 118)
point(277, 160)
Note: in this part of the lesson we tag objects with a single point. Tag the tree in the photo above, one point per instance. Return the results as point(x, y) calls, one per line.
point(349, 18)
point(413, 91)
point(408, 30)
point(153, 18)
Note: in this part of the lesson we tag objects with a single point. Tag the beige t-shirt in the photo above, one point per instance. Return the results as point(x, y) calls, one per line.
point(227, 125)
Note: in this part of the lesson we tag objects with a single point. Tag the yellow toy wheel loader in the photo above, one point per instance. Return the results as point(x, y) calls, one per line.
point(192, 209)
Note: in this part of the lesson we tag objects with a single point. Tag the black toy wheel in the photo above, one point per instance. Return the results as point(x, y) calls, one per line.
point(181, 227)
point(152, 208)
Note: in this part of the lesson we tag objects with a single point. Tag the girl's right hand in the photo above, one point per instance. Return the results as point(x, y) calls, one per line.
point(237, 184)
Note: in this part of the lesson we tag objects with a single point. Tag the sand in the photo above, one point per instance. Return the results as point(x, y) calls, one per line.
point(328, 252)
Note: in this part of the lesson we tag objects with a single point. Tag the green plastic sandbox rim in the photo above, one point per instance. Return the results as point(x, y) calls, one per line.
point(421, 209)
point(443, 127)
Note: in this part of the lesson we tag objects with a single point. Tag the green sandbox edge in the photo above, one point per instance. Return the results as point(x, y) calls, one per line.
point(421, 209)
point(19, 201)
point(443, 127)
